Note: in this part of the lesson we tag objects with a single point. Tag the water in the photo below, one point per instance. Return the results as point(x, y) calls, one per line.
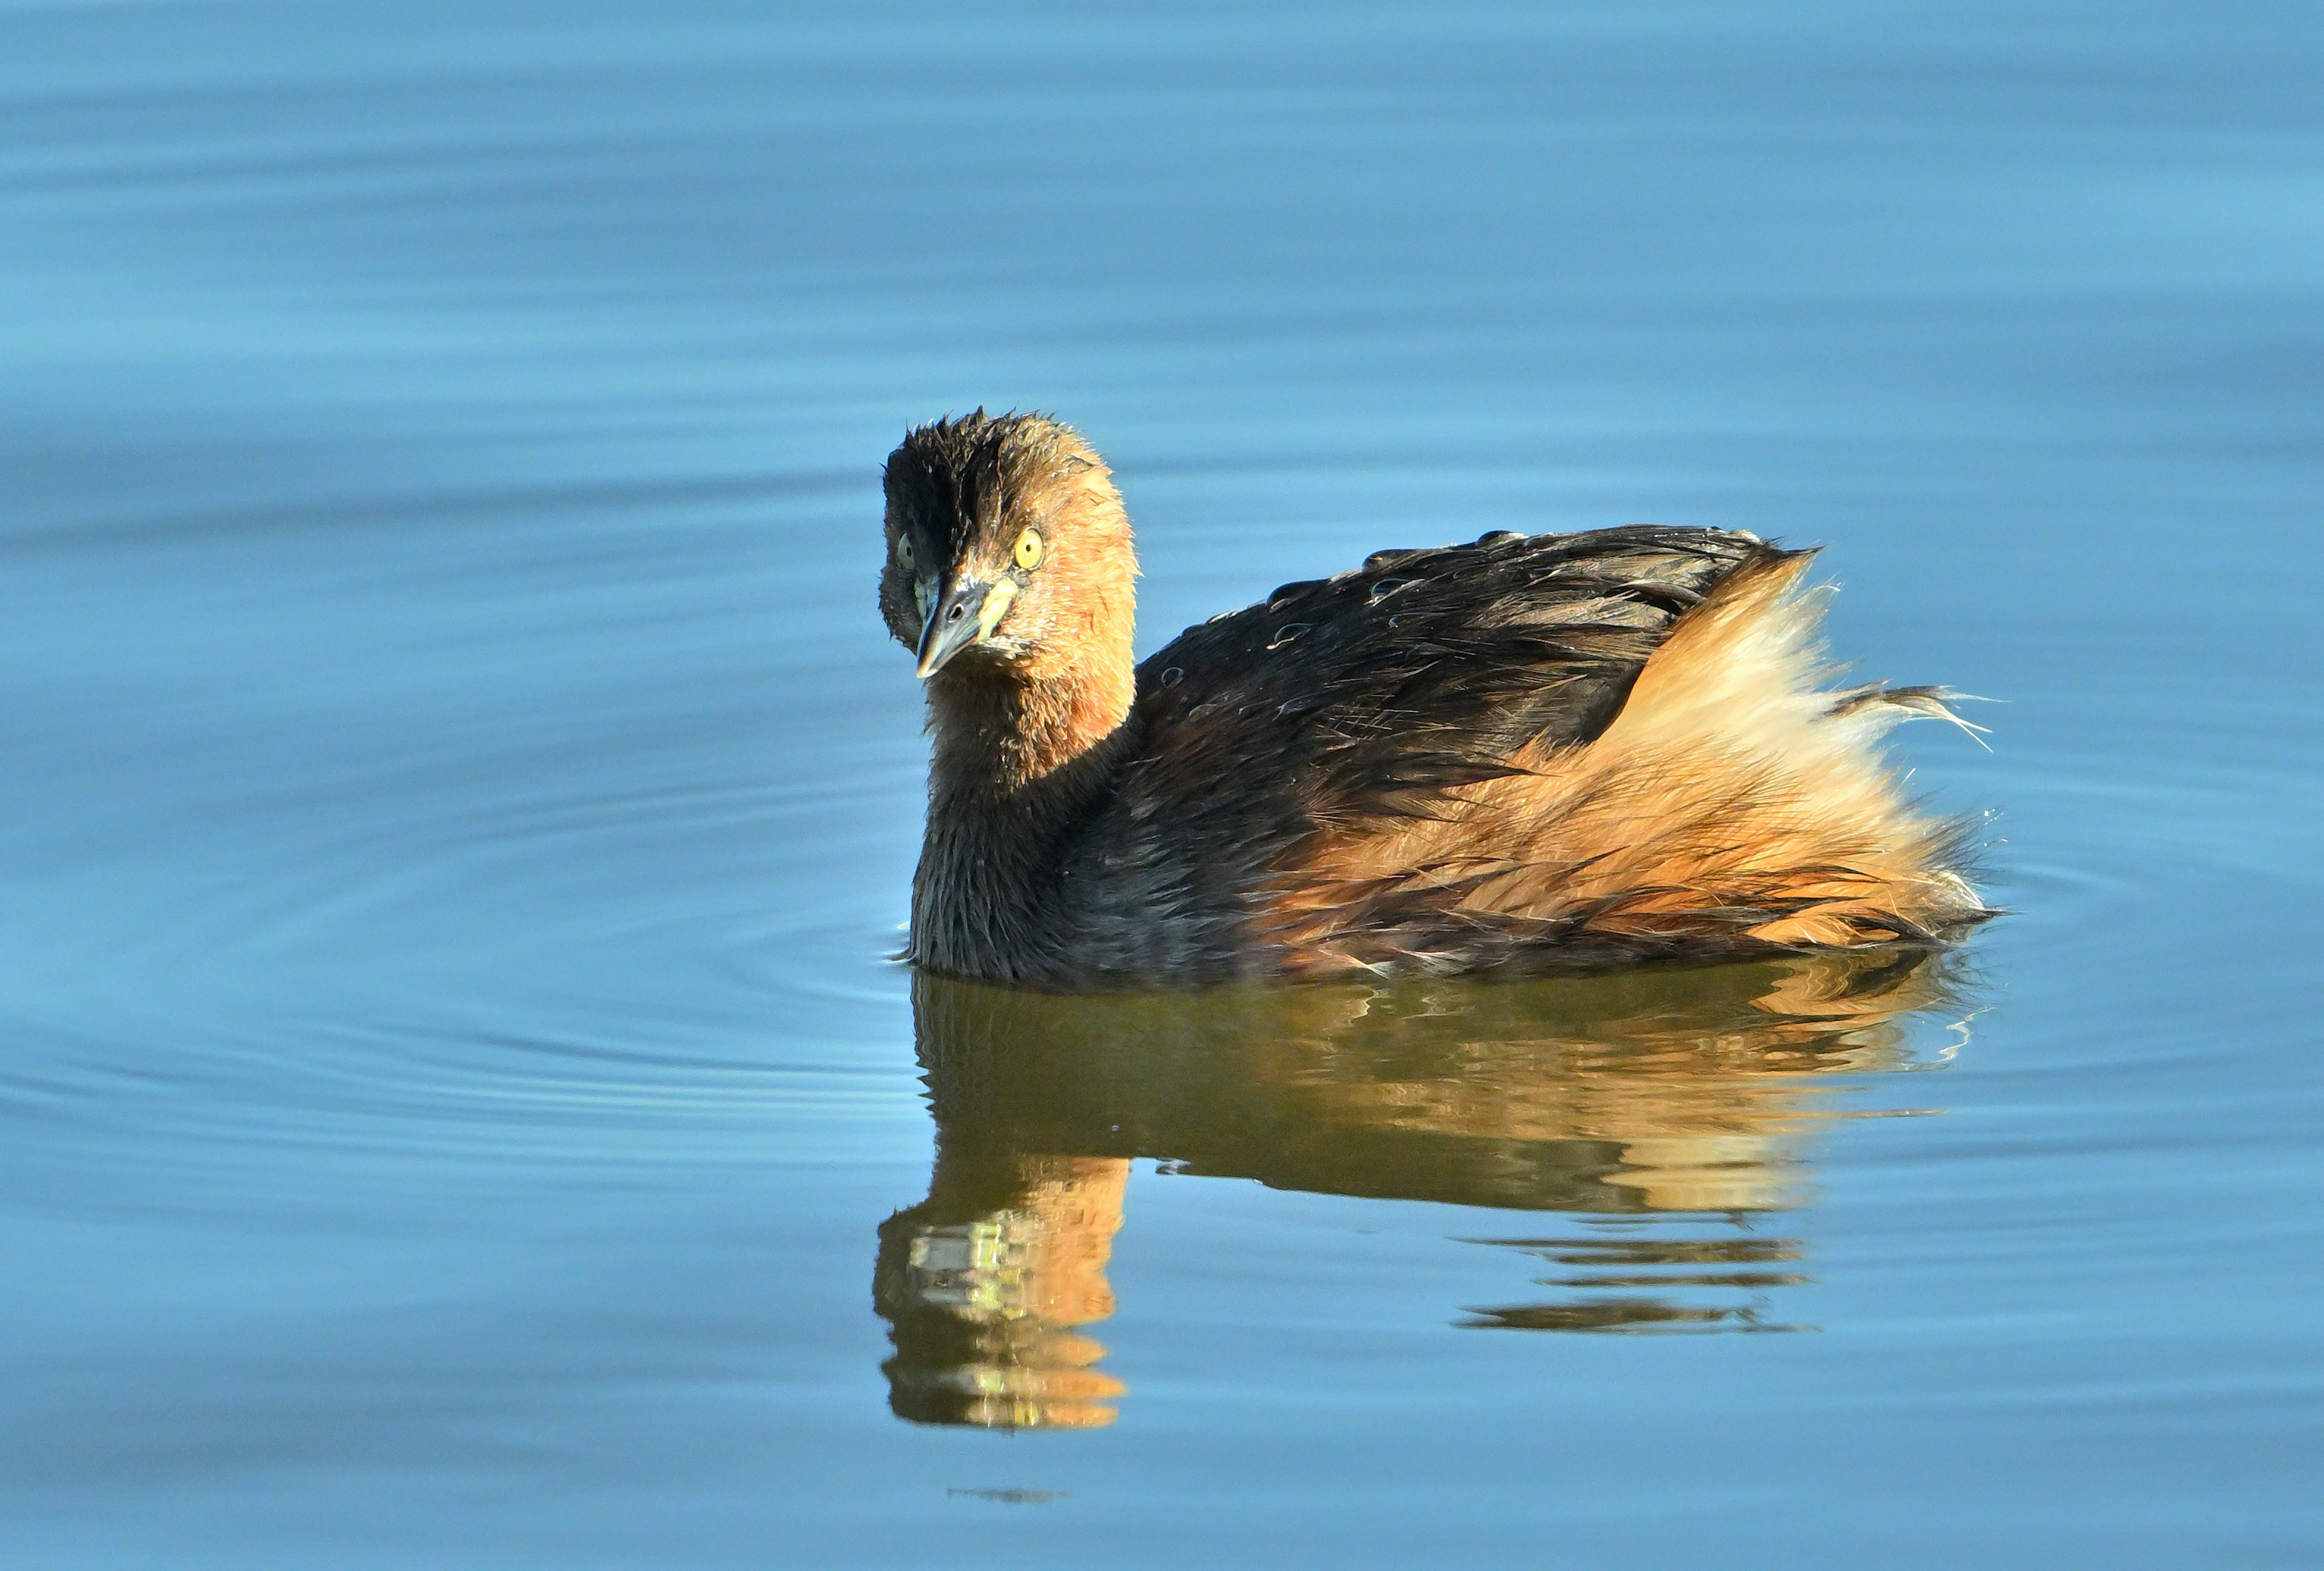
point(459, 1111)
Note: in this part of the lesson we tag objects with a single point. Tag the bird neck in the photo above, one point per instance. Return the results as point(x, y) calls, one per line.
point(999, 735)
point(1018, 766)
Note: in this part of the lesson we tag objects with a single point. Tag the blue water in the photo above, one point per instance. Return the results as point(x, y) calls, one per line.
point(459, 800)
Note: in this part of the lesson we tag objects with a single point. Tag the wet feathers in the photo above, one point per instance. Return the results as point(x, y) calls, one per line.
point(1534, 751)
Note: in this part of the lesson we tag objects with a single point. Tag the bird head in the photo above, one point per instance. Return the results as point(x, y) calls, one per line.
point(1009, 553)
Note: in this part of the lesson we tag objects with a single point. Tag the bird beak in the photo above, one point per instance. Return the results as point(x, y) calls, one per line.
point(962, 615)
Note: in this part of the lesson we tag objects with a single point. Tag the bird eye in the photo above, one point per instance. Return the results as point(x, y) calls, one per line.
point(1028, 549)
point(904, 551)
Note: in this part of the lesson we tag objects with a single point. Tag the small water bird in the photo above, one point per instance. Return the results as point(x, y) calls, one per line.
point(1543, 752)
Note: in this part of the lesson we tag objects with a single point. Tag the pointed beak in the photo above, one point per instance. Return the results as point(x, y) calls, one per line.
point(955, 622)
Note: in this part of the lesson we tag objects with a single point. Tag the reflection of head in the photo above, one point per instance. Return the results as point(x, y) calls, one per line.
point(983, 1285)
point(1634, 1094)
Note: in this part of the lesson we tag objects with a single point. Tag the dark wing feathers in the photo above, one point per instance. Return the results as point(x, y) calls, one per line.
point(1357, 698)
point(1365, 698)
point(1376, 691)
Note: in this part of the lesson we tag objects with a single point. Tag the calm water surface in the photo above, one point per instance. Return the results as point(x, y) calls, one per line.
point(458, 803)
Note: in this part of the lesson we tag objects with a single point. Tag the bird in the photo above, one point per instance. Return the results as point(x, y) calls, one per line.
point(1539, 752)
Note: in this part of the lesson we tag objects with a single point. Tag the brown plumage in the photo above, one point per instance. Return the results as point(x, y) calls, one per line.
point(1540, 751)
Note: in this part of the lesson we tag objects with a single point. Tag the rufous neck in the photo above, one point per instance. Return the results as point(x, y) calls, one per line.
point(1002, 736)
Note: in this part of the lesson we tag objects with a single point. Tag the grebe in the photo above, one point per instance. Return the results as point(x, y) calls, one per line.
point(1546, 752)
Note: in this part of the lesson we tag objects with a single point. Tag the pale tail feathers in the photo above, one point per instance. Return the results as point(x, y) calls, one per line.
point(1735, 802)
point(1911, 703)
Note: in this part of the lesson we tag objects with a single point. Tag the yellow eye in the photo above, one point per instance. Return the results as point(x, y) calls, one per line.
point(1028, 549)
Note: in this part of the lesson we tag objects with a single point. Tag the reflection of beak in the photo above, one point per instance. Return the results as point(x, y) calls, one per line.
point(964, 613)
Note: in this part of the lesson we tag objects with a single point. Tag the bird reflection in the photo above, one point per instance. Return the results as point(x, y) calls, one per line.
point(1668, 1112)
